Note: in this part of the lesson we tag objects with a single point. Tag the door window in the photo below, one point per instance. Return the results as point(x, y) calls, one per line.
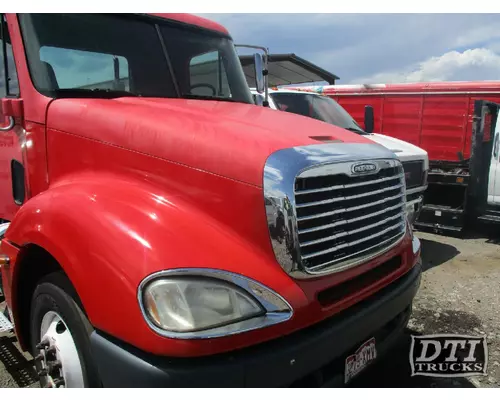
point(9, 85)
point(208, 76)
point(89, 70)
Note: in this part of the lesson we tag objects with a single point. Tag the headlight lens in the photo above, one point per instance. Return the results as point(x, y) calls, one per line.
point(189, 304)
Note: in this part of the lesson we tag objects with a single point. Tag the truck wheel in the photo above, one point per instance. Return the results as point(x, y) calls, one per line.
point(60, 336)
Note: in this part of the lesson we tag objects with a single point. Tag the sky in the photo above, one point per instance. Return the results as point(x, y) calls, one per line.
point(359, 48)
point(379, 48)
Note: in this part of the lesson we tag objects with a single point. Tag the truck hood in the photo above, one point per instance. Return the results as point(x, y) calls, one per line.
point(228, 139)
point(404, 151)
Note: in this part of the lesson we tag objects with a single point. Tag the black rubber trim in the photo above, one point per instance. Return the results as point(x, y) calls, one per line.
point(269, 364)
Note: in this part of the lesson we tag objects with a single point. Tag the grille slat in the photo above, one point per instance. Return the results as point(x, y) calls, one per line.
point(344, 198)
point(343, 222)
point(348, 209)
point(392, 239)
point(343, 219)
point(326, 189)
point(347, 233)
point(331, 249)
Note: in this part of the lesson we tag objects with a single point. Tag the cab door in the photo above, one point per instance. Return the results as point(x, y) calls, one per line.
point(494, 173)
point(12, 134)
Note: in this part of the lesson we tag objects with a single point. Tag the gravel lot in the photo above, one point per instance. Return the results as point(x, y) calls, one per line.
point(460, 293)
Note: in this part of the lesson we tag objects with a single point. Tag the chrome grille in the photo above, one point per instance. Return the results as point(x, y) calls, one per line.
point(343, 220)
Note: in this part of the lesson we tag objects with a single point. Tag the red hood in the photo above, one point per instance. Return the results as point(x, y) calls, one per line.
point(224, 138)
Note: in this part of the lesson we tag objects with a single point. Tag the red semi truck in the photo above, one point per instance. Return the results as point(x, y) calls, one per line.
point(456, 123)
point(160, 229)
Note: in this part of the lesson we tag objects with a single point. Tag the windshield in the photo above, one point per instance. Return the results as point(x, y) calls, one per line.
point(319, 107)
point(89, 55)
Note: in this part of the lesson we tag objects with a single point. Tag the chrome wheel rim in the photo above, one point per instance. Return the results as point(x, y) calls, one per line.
point(58, 363)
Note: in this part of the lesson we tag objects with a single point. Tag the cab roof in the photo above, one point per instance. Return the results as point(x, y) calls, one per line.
point(193, 20)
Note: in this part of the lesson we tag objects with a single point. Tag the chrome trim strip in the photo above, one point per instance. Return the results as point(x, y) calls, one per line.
point(415, 244)
point(3, 229)
point(413, 202)
point(273, 315)
point(344, 245)
point(346, 166)
point(400, 93)
point(355, 261)
point(416, 190)
point(349, 185)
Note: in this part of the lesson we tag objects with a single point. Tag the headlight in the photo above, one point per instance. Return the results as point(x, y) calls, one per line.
point(180, 303)
point(191, 304)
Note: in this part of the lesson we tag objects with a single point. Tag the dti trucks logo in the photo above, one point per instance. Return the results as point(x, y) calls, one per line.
point(448, 355)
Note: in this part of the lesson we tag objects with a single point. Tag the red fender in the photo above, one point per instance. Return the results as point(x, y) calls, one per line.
point(108, 233)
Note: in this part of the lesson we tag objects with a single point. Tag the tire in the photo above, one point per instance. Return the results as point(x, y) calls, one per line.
point(54, 301)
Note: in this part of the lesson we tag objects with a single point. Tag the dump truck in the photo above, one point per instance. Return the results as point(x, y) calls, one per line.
point(457, 124)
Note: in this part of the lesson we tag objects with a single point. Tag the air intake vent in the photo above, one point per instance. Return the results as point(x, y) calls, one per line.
point(414, 173)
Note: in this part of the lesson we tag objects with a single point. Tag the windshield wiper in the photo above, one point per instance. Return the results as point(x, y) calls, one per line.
point(91, 93)
point(201, 97)
point(360, 131)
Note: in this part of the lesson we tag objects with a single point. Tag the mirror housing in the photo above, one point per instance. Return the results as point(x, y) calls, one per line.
point(258, 100)
point(369, 119)
point(259, 73)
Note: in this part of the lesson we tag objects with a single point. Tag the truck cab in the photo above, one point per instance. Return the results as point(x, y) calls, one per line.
point(161, 230)
point(310, 104)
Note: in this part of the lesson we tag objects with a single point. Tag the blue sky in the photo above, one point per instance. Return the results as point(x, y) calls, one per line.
point(379, 48)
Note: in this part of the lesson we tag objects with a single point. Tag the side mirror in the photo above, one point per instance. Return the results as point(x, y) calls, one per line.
point(369, 119)
point(259, 73)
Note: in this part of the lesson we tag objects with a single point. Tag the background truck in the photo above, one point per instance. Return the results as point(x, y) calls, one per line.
point(456, 123)
point(311, 104)
point(141, 246)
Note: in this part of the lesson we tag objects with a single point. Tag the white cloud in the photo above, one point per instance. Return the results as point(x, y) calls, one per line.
point(472, 64)
point(379, 47)
point(477, 35)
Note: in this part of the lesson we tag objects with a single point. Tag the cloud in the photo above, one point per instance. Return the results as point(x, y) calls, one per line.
point(477, 35)
point(363, 46)
point(472, 64)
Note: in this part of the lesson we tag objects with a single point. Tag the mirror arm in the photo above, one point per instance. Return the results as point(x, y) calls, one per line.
point(265, 50)
point(265, 72)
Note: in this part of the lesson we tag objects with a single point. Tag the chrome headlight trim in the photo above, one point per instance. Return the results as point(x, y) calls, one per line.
point(415, 244)
point(273, 312)
point(280, 171)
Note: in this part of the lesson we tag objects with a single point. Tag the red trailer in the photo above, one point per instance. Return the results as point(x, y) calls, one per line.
point(455, 122)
